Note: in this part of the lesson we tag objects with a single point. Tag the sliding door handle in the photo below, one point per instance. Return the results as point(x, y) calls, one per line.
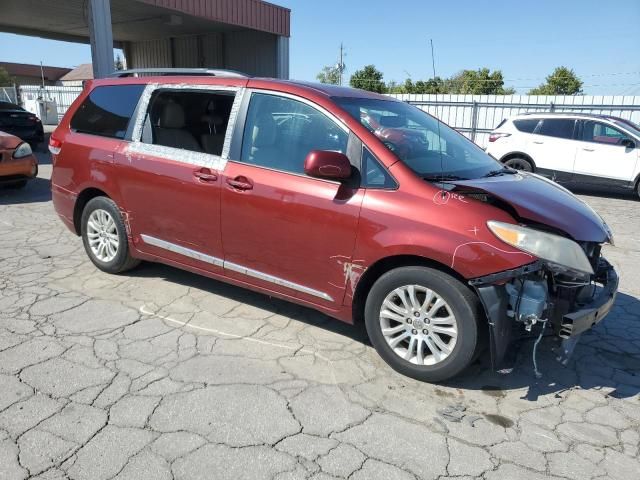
point(205, 175)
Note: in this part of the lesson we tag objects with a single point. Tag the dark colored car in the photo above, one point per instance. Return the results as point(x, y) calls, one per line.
point(15, 120)
point(280, 187)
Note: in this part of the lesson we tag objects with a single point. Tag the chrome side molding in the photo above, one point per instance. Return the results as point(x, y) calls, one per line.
point(203, 257)
point(187, 252)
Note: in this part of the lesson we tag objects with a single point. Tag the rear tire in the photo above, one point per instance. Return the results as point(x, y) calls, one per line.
point(519, 163)
point(105, 237)
point(436, 316)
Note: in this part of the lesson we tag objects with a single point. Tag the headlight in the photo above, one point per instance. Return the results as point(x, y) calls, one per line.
point(553, 248)
point(23, 150)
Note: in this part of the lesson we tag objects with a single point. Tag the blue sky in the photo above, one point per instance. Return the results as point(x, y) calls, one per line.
point(599, 39)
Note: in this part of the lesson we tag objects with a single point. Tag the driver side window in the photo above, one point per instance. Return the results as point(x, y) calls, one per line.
point(597, 132)
point(280, 132)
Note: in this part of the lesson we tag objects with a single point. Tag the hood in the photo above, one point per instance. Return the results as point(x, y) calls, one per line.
point(542, 201)
point(8, 141)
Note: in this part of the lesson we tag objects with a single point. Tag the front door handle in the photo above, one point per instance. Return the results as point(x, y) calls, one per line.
point(538, 142)
point(240, 183)
point(588, 149)
point(206, 175)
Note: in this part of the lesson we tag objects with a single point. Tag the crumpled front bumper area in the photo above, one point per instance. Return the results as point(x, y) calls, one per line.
point(568, 316)
point(587, 315)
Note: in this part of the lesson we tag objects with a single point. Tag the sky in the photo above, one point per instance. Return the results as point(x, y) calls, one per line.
point(526, 39)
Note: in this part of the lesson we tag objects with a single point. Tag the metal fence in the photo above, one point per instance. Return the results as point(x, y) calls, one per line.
point(63, 95)
point(8, 94)
point(477, 115)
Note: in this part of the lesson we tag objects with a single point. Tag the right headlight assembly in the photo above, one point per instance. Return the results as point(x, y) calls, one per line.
point(547, 246)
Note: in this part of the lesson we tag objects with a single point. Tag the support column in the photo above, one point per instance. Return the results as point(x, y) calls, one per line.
point(282, 57)
point(101, 37)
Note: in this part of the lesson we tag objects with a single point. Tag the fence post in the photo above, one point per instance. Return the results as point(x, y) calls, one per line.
point(552, 107)
point(474, 121)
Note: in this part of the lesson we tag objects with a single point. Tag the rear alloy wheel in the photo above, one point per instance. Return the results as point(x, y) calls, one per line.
point(519, 163)
point(104, 236)
point(423, 322)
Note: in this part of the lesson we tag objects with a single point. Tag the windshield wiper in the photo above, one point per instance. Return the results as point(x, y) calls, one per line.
point(445, 177)
point(495, 173)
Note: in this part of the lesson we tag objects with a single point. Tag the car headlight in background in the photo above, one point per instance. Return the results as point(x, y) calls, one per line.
point(547, 246)
point(23, 150)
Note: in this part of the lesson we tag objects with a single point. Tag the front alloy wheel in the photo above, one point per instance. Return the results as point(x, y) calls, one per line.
point(418, 325)
point(424, 322)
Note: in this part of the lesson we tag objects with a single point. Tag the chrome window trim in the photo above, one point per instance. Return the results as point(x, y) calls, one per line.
point(200, 159)
point(188, 252)
point(306, 101)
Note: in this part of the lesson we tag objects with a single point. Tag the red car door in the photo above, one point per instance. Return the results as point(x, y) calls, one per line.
point(171, 190)
point(283, 230)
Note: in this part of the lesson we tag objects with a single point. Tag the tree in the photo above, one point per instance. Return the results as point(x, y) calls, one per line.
point(329, 75)
point(118, 64)
point(5, 78)
point(478, 82)
point(369, 78)
point(563, 81)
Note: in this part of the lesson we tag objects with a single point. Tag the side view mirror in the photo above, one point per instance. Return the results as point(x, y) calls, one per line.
point(327, 164)
point(628, 143)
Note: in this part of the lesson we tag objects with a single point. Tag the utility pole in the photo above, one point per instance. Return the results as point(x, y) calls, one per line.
point(341, 66)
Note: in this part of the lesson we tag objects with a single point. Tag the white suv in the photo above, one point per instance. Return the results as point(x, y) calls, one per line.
point(567, 147)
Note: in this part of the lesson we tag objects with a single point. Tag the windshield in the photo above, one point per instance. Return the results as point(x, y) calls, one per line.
point(414, 137)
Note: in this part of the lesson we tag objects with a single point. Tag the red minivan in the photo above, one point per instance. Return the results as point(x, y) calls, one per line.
point(349, 202)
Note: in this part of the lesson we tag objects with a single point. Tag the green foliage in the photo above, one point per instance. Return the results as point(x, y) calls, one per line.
point(563, 81)
point(477, 82)
point(5, 78)
point(369, 78)
point(329, 75)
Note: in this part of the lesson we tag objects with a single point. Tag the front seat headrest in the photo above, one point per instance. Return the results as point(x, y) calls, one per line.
point(172, 116)
point(264, 131)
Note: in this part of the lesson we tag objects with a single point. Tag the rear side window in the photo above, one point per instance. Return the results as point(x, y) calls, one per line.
point(527, 125)
point(107, 110)
point(557, 127)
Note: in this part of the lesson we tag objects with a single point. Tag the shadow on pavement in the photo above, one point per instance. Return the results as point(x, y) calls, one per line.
point(254, 299)
point(37, 190)
point(603, 192)
point(603, 359)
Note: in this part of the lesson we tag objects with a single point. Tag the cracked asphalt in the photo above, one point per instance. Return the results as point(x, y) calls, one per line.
point(162, 374)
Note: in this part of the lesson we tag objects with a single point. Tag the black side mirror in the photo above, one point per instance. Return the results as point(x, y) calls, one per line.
point(628, 143)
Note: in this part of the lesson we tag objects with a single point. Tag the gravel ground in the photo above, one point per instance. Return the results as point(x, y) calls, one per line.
point(163, 374)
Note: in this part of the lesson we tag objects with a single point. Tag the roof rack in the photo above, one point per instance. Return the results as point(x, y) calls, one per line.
point(578, 114)
point(177, 72)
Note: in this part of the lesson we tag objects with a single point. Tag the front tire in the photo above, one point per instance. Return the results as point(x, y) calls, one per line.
point(423, 322)
point(105, 237)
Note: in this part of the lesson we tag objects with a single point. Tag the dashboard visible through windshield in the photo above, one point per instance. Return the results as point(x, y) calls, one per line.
point(430, 148)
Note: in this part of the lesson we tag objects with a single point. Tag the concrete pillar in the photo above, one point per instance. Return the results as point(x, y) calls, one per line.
point(101, 37)
point(282, 57)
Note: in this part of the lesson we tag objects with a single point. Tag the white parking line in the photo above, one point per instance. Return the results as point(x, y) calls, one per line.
point(143, 309)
